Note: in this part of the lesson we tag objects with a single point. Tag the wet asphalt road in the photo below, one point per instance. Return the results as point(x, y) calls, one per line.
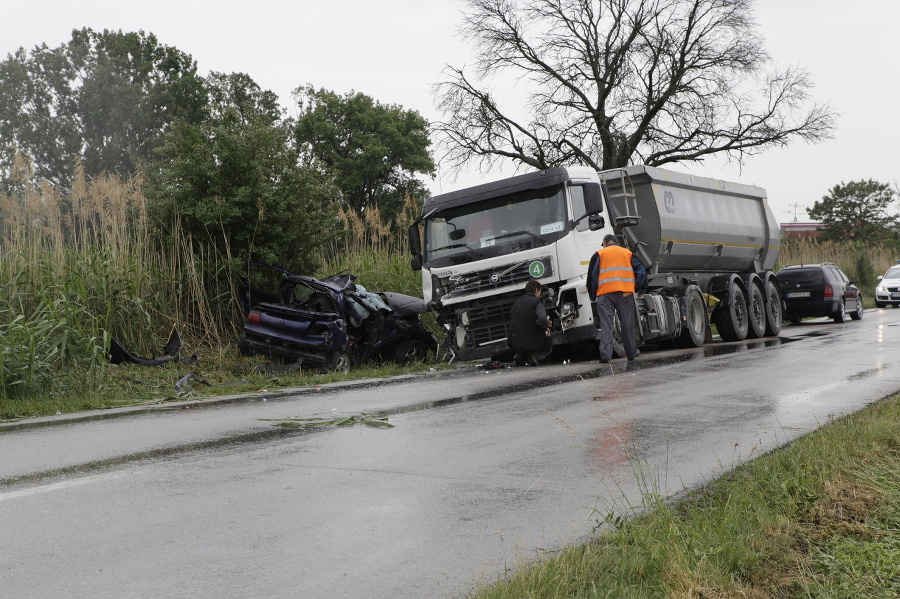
point(481, 471)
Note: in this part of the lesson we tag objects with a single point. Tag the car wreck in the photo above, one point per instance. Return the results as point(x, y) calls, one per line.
point(332, 323)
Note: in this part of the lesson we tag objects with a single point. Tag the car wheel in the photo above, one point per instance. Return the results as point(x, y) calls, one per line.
point(858, 314)
point(244, 347)
point(339, 362)
point(841, 314)
point(880, 304)
point(410, 351)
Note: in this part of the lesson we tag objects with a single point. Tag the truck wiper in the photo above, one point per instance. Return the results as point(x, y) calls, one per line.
point(522, 232)
point(456, 246)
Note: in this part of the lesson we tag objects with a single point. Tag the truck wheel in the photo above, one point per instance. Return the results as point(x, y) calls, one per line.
point(756, 310)
point(731, 320)
point(774, 313)
point(618, 345)
point(694, 333)
point(410, 351)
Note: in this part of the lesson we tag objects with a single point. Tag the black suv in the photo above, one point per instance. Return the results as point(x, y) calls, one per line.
point(819, 290)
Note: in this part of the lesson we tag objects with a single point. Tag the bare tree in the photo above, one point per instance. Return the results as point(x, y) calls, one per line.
point(611, 82)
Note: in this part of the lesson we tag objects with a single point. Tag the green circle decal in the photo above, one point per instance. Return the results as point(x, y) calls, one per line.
point(536, 269)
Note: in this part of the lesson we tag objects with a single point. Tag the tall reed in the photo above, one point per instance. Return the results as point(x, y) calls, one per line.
point(81, 266)
point(858, 260)
point(84, 265)
point(375, 250)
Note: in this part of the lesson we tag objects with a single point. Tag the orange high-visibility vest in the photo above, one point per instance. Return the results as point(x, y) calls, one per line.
point(615, 271)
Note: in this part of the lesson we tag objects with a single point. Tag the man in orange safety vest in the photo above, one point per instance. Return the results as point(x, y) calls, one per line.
point(614, 276)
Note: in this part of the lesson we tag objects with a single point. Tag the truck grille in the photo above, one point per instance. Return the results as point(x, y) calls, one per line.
point(501, 276)
point(489, 321)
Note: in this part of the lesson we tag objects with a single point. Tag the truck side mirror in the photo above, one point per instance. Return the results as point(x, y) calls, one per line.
point(415, 247)
point(593, 198)
point(415, 242)
point(596, 222)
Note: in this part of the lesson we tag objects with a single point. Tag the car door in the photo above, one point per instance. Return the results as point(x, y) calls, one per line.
point(849, 292)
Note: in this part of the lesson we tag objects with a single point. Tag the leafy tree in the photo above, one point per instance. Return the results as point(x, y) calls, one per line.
point(236, 182)
point(856, 210)
point(611, 82)
point(106, 97)
point(373, 151)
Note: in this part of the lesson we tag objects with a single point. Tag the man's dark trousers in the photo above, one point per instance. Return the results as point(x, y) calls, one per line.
point(607, 306)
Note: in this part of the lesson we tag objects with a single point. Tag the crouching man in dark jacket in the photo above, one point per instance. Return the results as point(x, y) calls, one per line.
point(529, 327)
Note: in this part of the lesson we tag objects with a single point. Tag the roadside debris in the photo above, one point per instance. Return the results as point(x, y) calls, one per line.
point(184, 383)
point(171, 352)
point(361, 418)
point(493, 365)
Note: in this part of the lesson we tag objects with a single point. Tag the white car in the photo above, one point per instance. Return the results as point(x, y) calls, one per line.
point(887, 292)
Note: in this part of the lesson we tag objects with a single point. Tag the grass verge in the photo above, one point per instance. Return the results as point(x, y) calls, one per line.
point(819, 518)
point(218, 372)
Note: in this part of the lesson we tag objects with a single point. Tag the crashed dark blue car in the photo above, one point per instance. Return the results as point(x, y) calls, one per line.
point(332, 323)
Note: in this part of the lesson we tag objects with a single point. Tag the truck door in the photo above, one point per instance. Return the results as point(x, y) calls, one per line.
point(586, 241)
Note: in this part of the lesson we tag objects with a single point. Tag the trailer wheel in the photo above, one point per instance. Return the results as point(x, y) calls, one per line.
point(731, 319)
point(756, 310)
point(694, 334)
point(774, 313)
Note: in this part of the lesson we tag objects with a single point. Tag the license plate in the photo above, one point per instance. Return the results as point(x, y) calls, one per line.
point(895, 296)
point(792, 294)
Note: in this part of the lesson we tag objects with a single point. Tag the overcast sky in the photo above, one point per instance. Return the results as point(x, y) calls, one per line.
point(395, 50)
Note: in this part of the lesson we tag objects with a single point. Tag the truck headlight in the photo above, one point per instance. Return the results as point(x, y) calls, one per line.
point(462, 340)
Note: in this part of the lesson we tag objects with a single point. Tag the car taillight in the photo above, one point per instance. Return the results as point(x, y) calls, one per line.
point(829, 292)
point(253, 316)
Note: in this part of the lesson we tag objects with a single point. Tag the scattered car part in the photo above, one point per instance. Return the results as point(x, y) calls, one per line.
point(184, 383)
point(171, 351)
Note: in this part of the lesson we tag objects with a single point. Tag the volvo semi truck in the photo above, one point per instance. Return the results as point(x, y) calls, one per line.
point(709, 247)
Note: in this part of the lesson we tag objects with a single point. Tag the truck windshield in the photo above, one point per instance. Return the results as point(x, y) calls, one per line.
point(496, 226)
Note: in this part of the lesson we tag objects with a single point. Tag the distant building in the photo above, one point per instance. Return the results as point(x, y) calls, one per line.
point(801, 229)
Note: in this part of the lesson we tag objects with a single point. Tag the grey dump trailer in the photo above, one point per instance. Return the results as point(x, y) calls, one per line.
point(708, 246)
